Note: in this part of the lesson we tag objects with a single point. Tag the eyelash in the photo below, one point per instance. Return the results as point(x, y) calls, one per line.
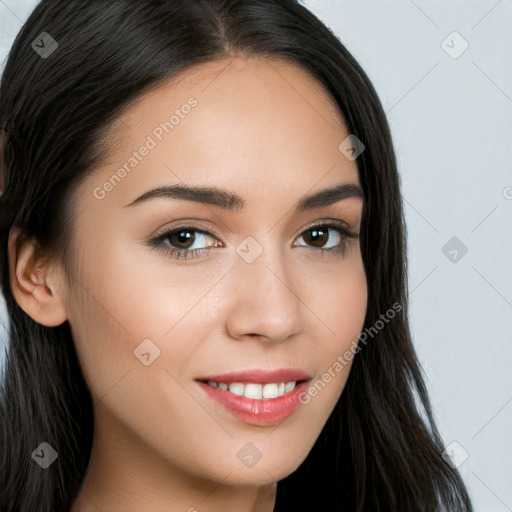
point(158, 241)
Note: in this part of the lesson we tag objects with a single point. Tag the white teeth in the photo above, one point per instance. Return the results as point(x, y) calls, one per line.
point(270, 390)
point(252, 390)
point(289, 386)
point(255, 391)
point(237, 388)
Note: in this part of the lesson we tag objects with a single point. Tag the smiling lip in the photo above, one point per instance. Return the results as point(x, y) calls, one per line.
point(266, 411)
point(260, 376)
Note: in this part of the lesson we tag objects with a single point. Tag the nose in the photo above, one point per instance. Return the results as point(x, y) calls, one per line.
point(264, 299)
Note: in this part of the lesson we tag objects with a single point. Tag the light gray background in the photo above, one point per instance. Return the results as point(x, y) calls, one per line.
point(451, 120)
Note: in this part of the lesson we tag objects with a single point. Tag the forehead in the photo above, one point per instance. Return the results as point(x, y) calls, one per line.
point(238, 74)
point(249, 86)
point(240, 118)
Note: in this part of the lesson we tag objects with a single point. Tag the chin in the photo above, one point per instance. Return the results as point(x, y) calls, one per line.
point(262, 472)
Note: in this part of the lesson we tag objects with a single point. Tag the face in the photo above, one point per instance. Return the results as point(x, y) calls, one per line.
point(176, 288)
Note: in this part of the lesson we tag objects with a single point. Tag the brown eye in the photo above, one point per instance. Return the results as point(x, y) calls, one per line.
point(182, 239)
point(179, 242)
point(317, 236)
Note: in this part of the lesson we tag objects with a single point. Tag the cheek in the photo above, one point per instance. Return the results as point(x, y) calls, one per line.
point(342, 308)
point(127, 311)
point(116, 306)
point(340, 302)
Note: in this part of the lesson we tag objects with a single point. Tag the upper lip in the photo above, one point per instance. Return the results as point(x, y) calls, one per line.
point(260, 375)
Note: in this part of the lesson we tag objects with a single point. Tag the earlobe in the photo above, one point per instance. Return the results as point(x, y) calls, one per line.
point(33, 284)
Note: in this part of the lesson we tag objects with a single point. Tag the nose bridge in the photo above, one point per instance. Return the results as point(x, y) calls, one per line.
point(264, 300)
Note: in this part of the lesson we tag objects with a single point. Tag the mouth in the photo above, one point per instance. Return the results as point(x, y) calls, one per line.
point(255, 390)
point(257, 397)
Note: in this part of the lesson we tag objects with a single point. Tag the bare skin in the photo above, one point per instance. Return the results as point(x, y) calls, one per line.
point(267, 131)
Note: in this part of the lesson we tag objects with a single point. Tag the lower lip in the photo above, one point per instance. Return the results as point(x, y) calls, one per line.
point(266, 411)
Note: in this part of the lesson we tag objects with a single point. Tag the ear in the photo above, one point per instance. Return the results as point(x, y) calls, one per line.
point(35, 285)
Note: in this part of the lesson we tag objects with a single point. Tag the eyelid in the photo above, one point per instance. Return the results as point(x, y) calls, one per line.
point(190, 223)
point(210, 231)
point(323, 221)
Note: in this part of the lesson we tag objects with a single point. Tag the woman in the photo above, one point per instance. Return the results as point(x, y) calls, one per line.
point(203, 261)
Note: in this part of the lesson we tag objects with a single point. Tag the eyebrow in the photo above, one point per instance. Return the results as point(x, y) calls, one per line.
point(228, 200)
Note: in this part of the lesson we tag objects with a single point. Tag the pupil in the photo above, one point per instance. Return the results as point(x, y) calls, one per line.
point(318, 233)
point(184, 236)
